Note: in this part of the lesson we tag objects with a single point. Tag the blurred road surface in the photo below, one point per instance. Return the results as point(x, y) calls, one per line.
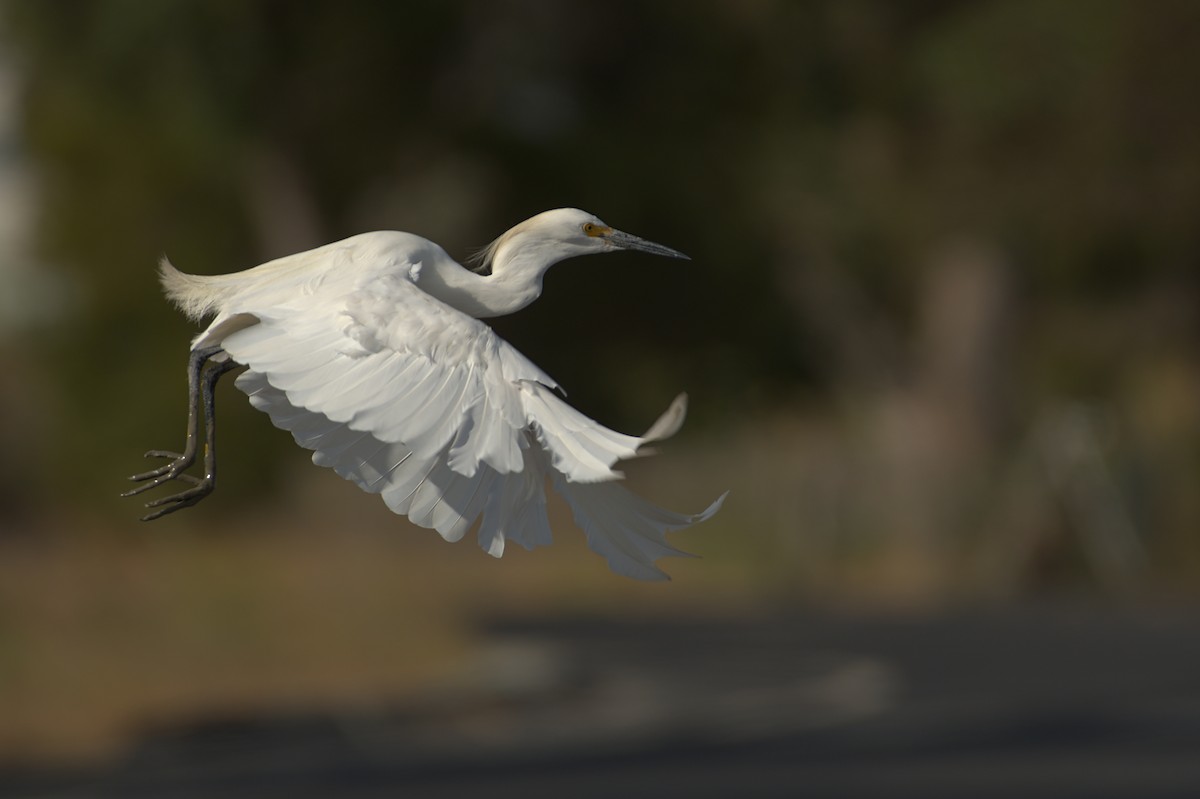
point(1050, 701)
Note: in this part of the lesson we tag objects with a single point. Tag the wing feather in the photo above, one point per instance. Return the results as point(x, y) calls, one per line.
point(625, 529)
point(581, 449)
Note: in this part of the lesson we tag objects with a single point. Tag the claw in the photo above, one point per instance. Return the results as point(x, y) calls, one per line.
point(169, 471)
point(163, 474)
point(200, 489)
point(150, 475)
point(164, 453)
point(133, 492)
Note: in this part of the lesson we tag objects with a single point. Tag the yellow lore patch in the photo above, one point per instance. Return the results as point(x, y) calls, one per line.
point(595, 231)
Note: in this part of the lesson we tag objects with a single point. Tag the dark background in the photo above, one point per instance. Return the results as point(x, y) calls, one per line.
point(940, 331)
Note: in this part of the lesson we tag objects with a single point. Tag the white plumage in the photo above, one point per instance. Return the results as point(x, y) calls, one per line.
point(371, 353)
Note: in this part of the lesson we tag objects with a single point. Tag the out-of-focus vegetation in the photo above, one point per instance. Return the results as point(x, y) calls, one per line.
point(940, 330)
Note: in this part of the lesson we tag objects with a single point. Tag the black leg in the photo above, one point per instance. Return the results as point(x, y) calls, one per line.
point(203, 374)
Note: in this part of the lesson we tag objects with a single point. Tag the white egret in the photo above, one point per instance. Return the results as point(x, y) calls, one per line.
point(371, 353)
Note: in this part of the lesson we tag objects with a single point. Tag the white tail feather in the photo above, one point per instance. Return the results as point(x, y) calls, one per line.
point(196, 295)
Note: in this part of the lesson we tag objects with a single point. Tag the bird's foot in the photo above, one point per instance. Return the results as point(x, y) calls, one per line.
point(172, 470)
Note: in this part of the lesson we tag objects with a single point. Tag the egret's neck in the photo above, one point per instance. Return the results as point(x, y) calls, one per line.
point(514, 283)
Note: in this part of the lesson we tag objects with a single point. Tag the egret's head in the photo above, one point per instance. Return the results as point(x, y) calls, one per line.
point(563, 233)
point(589, 234)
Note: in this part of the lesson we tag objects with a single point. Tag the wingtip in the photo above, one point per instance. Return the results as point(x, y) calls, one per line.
point(670, 422)
point(711, 510)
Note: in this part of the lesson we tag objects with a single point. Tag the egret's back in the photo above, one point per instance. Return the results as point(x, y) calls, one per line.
point(287, 280)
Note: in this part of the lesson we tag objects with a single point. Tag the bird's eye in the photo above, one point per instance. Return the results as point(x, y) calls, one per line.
point(594, 230)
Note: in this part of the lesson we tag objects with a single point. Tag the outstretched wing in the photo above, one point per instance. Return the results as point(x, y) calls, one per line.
point(428, 407)
point(628, 531)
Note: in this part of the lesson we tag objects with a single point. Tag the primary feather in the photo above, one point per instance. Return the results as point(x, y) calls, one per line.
point(371, 353)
